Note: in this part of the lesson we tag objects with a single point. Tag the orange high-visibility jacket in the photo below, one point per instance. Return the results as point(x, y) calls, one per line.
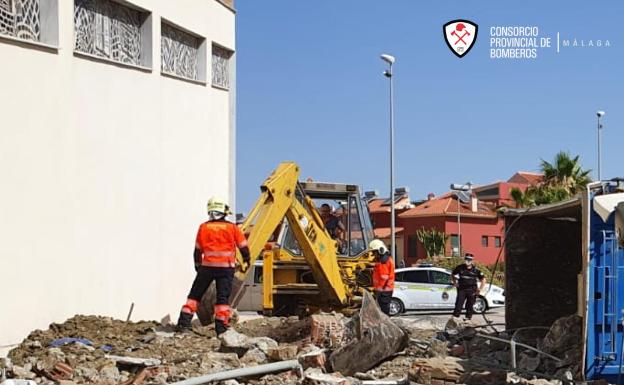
point(218, 241)
point(383, 275)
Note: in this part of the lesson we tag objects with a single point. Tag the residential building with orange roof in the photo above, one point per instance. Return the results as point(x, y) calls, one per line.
point(481, 227)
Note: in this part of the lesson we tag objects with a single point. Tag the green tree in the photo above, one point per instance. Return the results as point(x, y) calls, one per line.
point(565, 173)
point(563, 179)
point(434, 241)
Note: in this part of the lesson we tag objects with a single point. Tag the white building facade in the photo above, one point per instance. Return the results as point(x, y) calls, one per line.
point(117, 122)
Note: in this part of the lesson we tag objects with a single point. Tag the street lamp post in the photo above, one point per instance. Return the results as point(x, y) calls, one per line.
point(599, 114)
point(388, 73)
point(457, 188)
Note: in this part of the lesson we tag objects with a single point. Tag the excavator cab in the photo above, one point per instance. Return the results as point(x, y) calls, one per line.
point(350, 215)
point(290, 284)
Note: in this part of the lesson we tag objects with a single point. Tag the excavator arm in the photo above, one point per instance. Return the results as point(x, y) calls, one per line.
point(318, 247)
point(282, 198)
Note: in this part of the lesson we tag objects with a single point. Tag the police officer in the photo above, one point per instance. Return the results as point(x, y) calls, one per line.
point(383, 274)
point(466, 277)
point(215, 260)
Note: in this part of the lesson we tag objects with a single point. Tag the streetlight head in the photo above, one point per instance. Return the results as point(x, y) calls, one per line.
point(600, 113)
point(388, 58)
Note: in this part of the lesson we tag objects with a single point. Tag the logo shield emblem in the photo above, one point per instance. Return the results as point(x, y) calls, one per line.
point(460, 35)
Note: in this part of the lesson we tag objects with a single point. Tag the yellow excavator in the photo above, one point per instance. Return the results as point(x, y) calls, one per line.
point(304, 267)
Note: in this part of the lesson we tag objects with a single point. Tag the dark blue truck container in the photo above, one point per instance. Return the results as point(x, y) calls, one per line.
point(568, 258)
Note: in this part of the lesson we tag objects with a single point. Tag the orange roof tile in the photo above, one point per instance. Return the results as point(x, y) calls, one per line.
point(526, 177)
point(384, 232)
point(446, 205)
point(377, 205)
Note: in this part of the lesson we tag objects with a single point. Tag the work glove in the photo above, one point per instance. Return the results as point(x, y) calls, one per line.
point(246, 264)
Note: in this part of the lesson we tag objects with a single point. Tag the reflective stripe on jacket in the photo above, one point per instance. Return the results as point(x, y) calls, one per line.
point(218, 241)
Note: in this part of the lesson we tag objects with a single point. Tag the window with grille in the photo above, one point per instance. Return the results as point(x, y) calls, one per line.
point(21, 19)
point(182, 54)
point(30, 20)
point(221, 67)
point(112, 31)
point(484, 241)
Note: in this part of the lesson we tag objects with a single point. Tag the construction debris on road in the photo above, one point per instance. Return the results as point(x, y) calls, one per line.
point(324, 349)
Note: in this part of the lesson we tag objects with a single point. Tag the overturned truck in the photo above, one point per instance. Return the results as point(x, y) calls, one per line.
point(568, 258)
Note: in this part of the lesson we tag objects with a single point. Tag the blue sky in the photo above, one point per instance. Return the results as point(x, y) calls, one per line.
point(310, 89)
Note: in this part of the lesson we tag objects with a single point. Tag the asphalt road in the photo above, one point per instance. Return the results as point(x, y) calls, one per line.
point(497, 316)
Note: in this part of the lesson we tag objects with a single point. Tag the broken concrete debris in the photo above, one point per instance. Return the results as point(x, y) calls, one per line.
point(368, 346)
point(375, 339)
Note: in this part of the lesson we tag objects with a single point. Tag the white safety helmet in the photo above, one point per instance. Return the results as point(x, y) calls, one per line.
point(217, 205)
point(378, 246)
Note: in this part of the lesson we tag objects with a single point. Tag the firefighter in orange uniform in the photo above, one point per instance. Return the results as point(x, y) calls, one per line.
point(383, 274)
point(215, 260)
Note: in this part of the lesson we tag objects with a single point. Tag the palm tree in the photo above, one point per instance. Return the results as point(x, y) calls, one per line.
point(565, 172)
point(563, 179)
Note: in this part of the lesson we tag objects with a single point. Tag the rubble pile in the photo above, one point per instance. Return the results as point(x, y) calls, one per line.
point(327, 348)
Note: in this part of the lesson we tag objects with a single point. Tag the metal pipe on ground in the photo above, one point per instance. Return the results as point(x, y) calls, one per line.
point(513, 345)
point(242, 372)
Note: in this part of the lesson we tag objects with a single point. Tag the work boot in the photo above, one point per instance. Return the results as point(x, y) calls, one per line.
point(220, 327)
point(184, 322)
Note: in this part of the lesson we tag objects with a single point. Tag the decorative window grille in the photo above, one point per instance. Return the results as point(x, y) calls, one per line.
point(221, 67)
point(179, 52)
point(21, 19)
point(109, 30)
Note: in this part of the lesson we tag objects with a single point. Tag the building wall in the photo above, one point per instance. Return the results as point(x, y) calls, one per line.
point(381, 219)
point(472, 229)
point(106, 171)
point(410, 226)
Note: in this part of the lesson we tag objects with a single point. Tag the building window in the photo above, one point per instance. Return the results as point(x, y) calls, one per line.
point(30, 20)
point(484, 241)
point(412, 246)
point(182, 54)
point(21, 19)
point(497, 241)
point(112, 31)
point(455, 245)
point(221, 67)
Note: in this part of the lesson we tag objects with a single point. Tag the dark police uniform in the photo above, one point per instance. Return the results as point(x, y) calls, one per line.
point(469, 279)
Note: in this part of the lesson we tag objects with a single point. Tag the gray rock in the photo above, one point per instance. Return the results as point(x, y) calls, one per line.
point(89, 374)
point(233, 339)
point(283, 353)
point(254, 356)
point(23, 373)
point(234, 342)
point(213, 362)
point(57, 354)
point(263, 343)
point(110, 373)
point(437, 348)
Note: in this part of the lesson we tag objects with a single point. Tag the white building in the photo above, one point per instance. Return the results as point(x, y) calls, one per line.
point(116, 124)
